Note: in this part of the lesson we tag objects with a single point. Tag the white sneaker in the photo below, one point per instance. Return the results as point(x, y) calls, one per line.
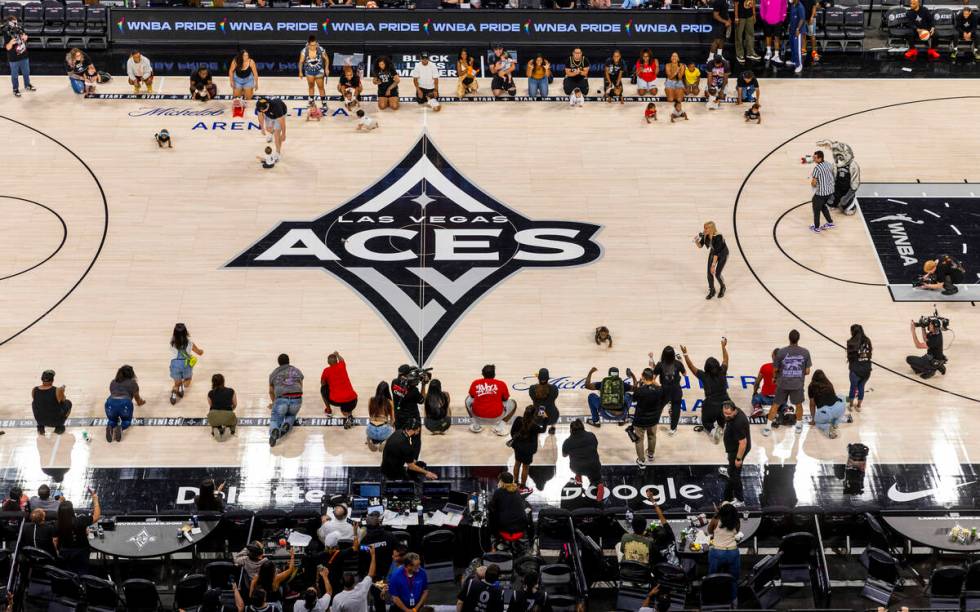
point(768, 53)
point(476, 427)
point(723, 471)
point(716, 434)
point(753, 57)
point(799, 69)
point(776, 59)
point(671, 432)
point(500, 429)
point(799, 427)
point(268, 138)
point(766, 430)
point(275, 157)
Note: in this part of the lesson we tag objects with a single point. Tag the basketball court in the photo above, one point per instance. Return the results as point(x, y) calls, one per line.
point(545, 221)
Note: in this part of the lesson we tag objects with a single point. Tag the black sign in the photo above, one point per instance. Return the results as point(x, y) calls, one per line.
point(422, 245)
point(819, 488)
point(416, 28)
point(910, 223)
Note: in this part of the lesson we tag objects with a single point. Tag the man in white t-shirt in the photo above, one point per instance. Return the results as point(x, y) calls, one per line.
point(354, 597)
point(426, 78)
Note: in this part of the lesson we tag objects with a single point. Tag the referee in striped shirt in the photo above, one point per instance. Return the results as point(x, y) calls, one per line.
point(822, 181)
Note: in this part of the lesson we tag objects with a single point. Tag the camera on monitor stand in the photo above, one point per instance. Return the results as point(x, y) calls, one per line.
point(934, 319)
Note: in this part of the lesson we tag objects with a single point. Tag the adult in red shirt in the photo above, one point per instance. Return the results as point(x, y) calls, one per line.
point(489, 403)
point(336, 390)
point(646, 74)
point(767, 394)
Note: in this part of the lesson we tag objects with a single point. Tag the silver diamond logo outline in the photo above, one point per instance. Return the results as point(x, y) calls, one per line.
point(142, 538)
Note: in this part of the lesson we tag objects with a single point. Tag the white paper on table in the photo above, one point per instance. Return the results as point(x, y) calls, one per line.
point(299, 539)
point(438, 518)
point(701, 538)
point(453, 519)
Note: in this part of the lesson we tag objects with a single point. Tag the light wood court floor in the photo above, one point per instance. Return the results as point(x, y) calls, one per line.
point(176, 217)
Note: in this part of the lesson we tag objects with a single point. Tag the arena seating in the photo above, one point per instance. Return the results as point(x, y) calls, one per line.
point(54, 24)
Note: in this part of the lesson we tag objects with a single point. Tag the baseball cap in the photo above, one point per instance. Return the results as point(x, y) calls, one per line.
point(424, 55)
point(47, 376)
point(614, 371)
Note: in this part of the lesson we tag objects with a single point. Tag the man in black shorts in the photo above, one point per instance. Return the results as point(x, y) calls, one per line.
point(502, 68)
point(272, 120)
point(576, 73)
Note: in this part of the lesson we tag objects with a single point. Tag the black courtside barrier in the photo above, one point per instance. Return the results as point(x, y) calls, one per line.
point(410, 29)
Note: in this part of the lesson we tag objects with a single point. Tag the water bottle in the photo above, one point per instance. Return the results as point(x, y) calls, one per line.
point(421, 513)
point(194, 520)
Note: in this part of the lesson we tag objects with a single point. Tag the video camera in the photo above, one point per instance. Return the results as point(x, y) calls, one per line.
point(417, 375)
point(934, 319)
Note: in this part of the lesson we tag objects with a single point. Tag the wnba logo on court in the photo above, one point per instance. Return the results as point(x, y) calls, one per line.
point(422, 246)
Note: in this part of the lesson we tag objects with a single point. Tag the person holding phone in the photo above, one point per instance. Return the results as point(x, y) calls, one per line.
point(354, 596)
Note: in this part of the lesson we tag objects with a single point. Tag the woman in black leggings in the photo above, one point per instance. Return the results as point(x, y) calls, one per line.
point(671, 372)
point(717, 256)
point(714, 381)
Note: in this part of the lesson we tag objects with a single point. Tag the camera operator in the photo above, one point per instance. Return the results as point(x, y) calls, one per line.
point(942, 273)
point(15, 42)
point(717, 256)
point(934, 360)
point(406, 394)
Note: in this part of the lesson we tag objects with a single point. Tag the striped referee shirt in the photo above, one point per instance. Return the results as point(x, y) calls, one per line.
point(824, 173)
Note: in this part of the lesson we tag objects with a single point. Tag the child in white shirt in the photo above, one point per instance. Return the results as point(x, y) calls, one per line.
point(365, 123)
point(576, 99)
point(268, 160)
point(677, 113)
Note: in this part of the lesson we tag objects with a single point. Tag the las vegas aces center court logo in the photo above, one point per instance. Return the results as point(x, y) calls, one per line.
point(422, 245)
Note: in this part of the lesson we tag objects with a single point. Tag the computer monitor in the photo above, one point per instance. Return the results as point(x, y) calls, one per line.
point(365, 489)
point(399, 488)
point(436, 489)
point(359, 506)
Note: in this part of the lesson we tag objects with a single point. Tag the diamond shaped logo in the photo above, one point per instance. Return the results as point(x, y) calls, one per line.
point(142, 538)
point(422, 245)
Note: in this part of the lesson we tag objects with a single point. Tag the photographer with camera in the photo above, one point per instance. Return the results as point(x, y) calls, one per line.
point(934, 360)
point(524, 440)
point(406, 394)
point(941, 273)
point(717, 256)
point(15, 42)
point(400, 458)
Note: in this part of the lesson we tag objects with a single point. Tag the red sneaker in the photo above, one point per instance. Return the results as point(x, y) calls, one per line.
point(911, 54)
point(933, 54)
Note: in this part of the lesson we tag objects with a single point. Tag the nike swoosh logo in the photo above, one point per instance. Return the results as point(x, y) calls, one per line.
point(902, 497)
